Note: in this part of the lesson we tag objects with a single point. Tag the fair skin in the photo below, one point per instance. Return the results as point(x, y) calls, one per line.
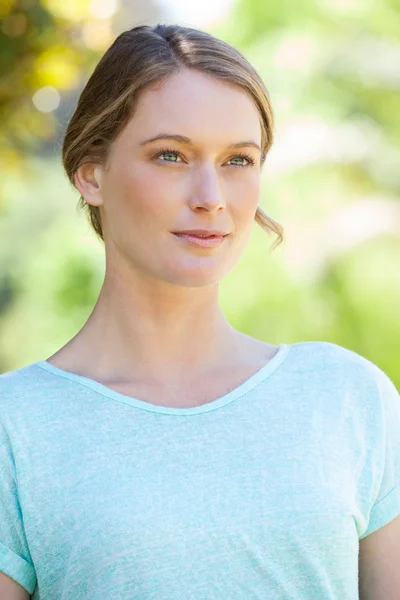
point(11, 590)
point(181, 336)
point(157, 330)
point(379, 563)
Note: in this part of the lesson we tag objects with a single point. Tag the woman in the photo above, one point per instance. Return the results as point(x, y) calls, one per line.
point(161, 453)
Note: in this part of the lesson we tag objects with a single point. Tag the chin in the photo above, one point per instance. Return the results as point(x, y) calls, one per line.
point(195, 272)
point(192, 281)
point(194, 278)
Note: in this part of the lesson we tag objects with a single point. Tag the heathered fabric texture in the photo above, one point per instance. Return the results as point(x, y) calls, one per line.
point(261, 494)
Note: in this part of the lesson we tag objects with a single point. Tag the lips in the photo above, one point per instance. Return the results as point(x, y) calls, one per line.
point(203, 242)
point(202, 232)
point(200, 236)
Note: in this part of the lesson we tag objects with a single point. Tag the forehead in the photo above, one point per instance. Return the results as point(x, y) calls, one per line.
point(196, 105)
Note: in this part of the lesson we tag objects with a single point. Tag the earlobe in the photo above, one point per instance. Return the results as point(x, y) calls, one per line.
point(87, 180)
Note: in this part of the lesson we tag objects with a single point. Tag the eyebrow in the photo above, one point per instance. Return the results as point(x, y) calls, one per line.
point(185, 140)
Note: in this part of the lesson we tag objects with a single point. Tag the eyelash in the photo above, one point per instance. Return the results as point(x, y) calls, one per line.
point(247, 157)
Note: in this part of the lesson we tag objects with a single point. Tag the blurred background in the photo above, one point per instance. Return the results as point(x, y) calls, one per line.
point(332, 178)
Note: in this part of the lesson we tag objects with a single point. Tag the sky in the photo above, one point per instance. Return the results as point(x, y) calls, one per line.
point(200, 13)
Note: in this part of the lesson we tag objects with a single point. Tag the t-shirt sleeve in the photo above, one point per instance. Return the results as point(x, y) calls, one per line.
point(386, 505)
point(15, 559)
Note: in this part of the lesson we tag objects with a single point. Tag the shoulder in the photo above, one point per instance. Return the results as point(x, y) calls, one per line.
point(322, 351)
point(341, 366)
point(19, 377)
point(21, 389)
point(17, 380)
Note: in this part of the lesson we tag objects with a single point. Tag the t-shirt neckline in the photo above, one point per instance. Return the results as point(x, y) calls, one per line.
point(237, 392)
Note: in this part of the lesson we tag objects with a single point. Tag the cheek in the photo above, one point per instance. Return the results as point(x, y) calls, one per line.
point(141, 194)
point(244, 195)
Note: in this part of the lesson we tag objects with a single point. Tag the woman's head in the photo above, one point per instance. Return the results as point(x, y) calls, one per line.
point(175, 81)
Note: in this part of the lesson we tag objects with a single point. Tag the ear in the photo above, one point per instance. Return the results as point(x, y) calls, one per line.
point(88, 181)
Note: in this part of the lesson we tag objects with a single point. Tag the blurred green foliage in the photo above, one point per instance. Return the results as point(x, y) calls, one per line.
point(38, 47)
point(331, 179)
point(331, 69)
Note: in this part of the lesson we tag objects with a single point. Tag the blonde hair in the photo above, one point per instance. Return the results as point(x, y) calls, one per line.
point(137, 58)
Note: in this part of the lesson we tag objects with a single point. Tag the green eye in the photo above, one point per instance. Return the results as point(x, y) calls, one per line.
point(172, 155)
point(237, 158)
point(242, 157)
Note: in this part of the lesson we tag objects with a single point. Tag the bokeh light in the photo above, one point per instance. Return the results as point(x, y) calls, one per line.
point(46, 99)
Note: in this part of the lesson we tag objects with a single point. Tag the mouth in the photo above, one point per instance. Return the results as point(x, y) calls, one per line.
point(201, 241)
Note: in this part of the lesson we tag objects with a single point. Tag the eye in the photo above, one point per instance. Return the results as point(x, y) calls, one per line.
point(242, 157)
point(171, 155)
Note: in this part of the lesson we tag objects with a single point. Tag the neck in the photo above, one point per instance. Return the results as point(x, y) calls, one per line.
point(163, 333)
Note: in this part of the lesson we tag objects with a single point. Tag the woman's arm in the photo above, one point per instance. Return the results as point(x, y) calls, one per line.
point(379, 563)
point(11, 590)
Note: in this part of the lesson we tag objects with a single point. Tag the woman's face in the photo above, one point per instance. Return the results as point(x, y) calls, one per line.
point(209, 180)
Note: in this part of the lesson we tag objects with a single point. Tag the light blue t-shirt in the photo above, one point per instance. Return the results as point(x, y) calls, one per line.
point(262, 494)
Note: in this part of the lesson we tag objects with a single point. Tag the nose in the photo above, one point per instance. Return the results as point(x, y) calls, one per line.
point(206, 189)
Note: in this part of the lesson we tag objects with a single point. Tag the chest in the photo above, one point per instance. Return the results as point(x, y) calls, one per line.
point(196, 392)
point(126, 485)
point(150, 501)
